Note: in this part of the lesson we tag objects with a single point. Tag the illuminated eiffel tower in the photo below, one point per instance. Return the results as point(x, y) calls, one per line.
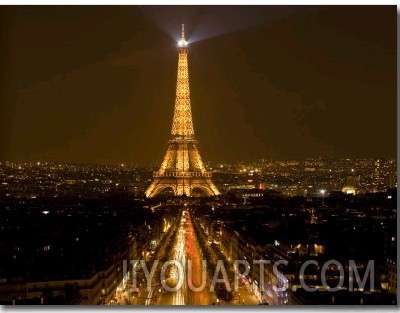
point(182, 169)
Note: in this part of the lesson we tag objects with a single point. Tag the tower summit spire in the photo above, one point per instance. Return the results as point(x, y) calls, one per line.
point(182, 169)
point(183, 42)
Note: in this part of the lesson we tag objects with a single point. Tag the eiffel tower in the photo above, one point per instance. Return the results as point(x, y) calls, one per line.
point(182, 169)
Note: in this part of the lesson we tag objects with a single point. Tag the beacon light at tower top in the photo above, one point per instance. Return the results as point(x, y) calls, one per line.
point(182, 43)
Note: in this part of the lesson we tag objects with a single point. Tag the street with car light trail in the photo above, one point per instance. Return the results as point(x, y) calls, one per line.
point(172, 284)
point(177, 274)
point(186, 250)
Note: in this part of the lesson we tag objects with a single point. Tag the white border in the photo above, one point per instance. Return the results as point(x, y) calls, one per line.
point(48, 309)
point(198, 2)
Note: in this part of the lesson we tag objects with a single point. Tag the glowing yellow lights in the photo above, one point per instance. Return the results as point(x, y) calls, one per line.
point(182, 169)
point(349, 190)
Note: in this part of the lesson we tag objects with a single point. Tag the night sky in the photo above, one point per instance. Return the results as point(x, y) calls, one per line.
point(96, 84)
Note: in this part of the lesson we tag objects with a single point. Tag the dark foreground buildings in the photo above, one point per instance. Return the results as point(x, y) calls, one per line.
point(70, 251)
point(348, 234)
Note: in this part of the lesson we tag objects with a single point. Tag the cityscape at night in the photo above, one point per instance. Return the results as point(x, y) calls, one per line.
point(198, 155)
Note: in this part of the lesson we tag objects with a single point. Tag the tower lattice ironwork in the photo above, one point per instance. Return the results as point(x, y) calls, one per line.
point(182, 168)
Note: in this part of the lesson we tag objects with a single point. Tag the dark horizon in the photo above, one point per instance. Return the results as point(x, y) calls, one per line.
point(96, 84)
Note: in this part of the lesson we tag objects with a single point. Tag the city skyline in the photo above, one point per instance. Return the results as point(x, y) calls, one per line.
point(305, 83)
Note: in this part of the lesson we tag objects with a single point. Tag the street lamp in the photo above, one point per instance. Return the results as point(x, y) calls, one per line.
point(218, 301)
